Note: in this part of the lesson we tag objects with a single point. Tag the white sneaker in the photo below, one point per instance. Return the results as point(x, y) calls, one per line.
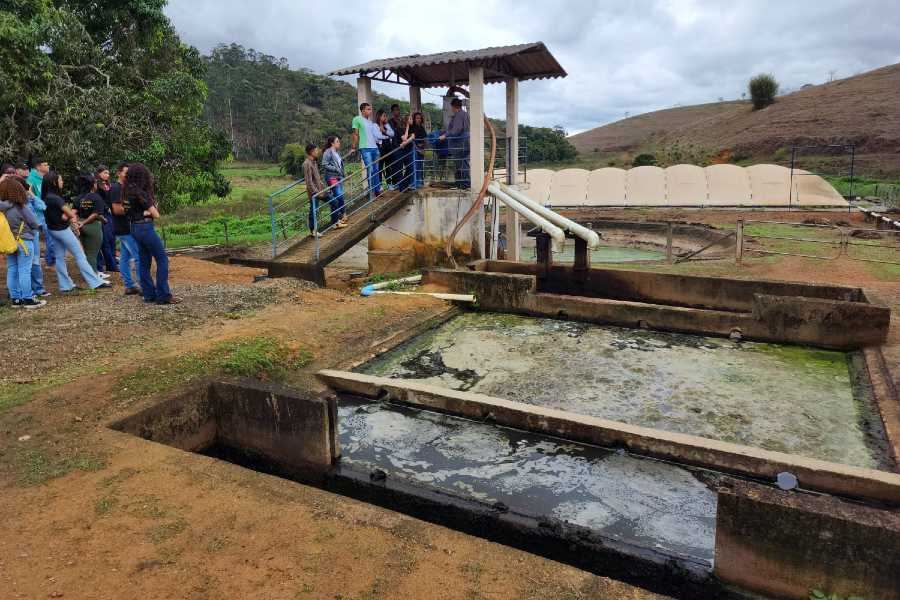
point(104, 275)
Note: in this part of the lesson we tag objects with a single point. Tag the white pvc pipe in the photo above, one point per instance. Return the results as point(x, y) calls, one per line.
point(591, 237)
point(557, 234)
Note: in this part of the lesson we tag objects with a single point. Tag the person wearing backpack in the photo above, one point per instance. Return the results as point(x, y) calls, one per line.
point(21, 224)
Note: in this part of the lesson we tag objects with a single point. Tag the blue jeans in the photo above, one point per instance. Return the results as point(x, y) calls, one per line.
point(18, 271)
point(419, 167)
point(407, 180)
point(369, 156)
point(338, 208)
point(107, 254)
point(65, 241)
point(37, 274)
point(128, 254)
point(50, 254)
point(150, 248)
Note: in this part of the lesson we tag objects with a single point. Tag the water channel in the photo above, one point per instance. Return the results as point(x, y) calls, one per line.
point(604, 254)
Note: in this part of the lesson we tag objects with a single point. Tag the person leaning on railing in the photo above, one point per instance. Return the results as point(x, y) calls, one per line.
point(420, 135)
point(315, 189)
point(333, 166)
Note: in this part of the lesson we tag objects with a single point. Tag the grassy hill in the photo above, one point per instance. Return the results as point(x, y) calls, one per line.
point(863, 109)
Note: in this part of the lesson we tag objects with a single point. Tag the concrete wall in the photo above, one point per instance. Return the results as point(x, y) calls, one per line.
point(766, 311)
point(295, 428)
point(418, 232)
point(787, 543)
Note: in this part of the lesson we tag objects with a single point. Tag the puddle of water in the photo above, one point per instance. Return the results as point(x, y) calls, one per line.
point(782, 398)
point(604, 254)
point(649, 501)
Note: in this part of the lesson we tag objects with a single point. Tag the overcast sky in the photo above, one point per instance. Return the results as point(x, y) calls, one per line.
point(625, 56)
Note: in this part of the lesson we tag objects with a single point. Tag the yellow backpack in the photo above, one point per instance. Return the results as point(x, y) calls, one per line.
point(8, 243)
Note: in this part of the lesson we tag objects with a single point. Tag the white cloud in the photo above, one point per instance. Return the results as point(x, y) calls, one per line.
point(635, 57)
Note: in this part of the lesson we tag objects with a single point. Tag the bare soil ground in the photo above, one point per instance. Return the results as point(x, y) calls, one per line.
point(87, 512)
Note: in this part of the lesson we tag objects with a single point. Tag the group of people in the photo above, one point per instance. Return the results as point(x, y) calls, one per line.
point(393, 154)
point(101, 214)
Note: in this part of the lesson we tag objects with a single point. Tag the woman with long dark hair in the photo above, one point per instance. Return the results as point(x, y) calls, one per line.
point(334, 175)
point(418, 130)
point(106, 260)
point(385, 145)
point(22, 224)
point(141, 209)
point(89, 208)
point(60, 222)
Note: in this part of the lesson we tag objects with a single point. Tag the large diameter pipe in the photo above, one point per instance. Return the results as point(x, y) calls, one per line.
point(556, 234)
point(591, 237)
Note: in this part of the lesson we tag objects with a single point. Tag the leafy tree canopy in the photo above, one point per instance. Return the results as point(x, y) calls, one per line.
point(83, 84)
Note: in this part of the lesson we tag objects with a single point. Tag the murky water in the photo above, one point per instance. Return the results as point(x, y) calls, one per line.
point(782, 398)
point(604, 254)
point(653, 502)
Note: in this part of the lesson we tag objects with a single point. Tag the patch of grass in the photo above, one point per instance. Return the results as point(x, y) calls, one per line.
point(469, 567)
point(217, 544)
point(884, 272)
point(819, 595)
point(104, 505)
point(35, 466)
point(260, 357)
point(306, 588)
point(87, 292)
point(17, 395)
point(165, 531)
point(325, 534)
point(376, 588)
point(122, 475)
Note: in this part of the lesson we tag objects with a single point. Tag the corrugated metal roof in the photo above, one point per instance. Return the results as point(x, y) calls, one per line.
point(522, 61)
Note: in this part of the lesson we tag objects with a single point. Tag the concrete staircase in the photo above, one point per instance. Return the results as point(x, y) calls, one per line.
point(300, 261)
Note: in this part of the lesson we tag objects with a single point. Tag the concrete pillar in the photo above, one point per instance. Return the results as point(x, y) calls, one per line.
point(415, 99)
point(513, 231)
point(363, 91)
point(476, 139)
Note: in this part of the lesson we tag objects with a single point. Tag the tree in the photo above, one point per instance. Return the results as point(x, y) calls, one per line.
point(763, 88)
point(831, 74)
point(721, 98)
point(743, 95)
point(626, 114)
point(292, 158)
point(82, 86)
point(643, 160)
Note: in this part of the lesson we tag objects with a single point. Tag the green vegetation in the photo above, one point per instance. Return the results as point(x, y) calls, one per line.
point(818, 595)
point(82, 87)
point(642, 160)
point(35, 466)
point(104, 505)
point(259, 357)
point(763, 89)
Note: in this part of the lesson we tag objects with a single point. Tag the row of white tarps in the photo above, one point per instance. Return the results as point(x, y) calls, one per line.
point(682, 185)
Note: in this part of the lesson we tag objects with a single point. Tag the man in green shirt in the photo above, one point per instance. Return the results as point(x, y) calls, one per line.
point(39, 168)
point(368, 149)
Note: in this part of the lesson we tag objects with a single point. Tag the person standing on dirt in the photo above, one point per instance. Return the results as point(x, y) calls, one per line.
point(89, 208)
point(315, 190)
point(141, 210)
point(22, 224)
point(458, 132)
point(122, 229)
point(39, 168)
point(60, 222)
point(107, 256)
point(334, 177)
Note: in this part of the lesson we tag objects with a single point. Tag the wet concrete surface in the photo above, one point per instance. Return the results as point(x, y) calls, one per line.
point(662, 505)
point(784, 398)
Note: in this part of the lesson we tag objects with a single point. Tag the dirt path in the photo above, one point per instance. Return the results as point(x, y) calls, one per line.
point(87, 512)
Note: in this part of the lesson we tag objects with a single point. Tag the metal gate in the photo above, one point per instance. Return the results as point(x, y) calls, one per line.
point(874, 245)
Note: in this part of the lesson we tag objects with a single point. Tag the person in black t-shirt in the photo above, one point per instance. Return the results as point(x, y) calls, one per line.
point(107, 257)
point(141, 209)
point(418, 130)
point(89, 207)
point(122, 229)
point(60, 219)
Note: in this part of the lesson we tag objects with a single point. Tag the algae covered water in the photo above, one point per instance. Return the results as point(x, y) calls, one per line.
point(657, 504)
point(783, 398)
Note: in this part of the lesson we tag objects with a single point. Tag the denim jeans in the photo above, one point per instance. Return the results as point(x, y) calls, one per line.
point(107, 255)
point(128, 254)
point(419, 166)
point(50, 254)
point(369, 156)
point(150, 248)
point(338, 208)
point(37, 274)
point(65, 241)
point(18, 271)
point(408, 180)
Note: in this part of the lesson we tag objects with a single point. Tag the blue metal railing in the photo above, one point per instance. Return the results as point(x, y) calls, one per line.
point(394, 170)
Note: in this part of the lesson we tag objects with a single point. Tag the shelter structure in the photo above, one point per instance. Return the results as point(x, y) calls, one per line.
point(474, 69)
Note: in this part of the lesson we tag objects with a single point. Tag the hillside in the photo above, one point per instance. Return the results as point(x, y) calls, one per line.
point(630, 133)
point(864, 109)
